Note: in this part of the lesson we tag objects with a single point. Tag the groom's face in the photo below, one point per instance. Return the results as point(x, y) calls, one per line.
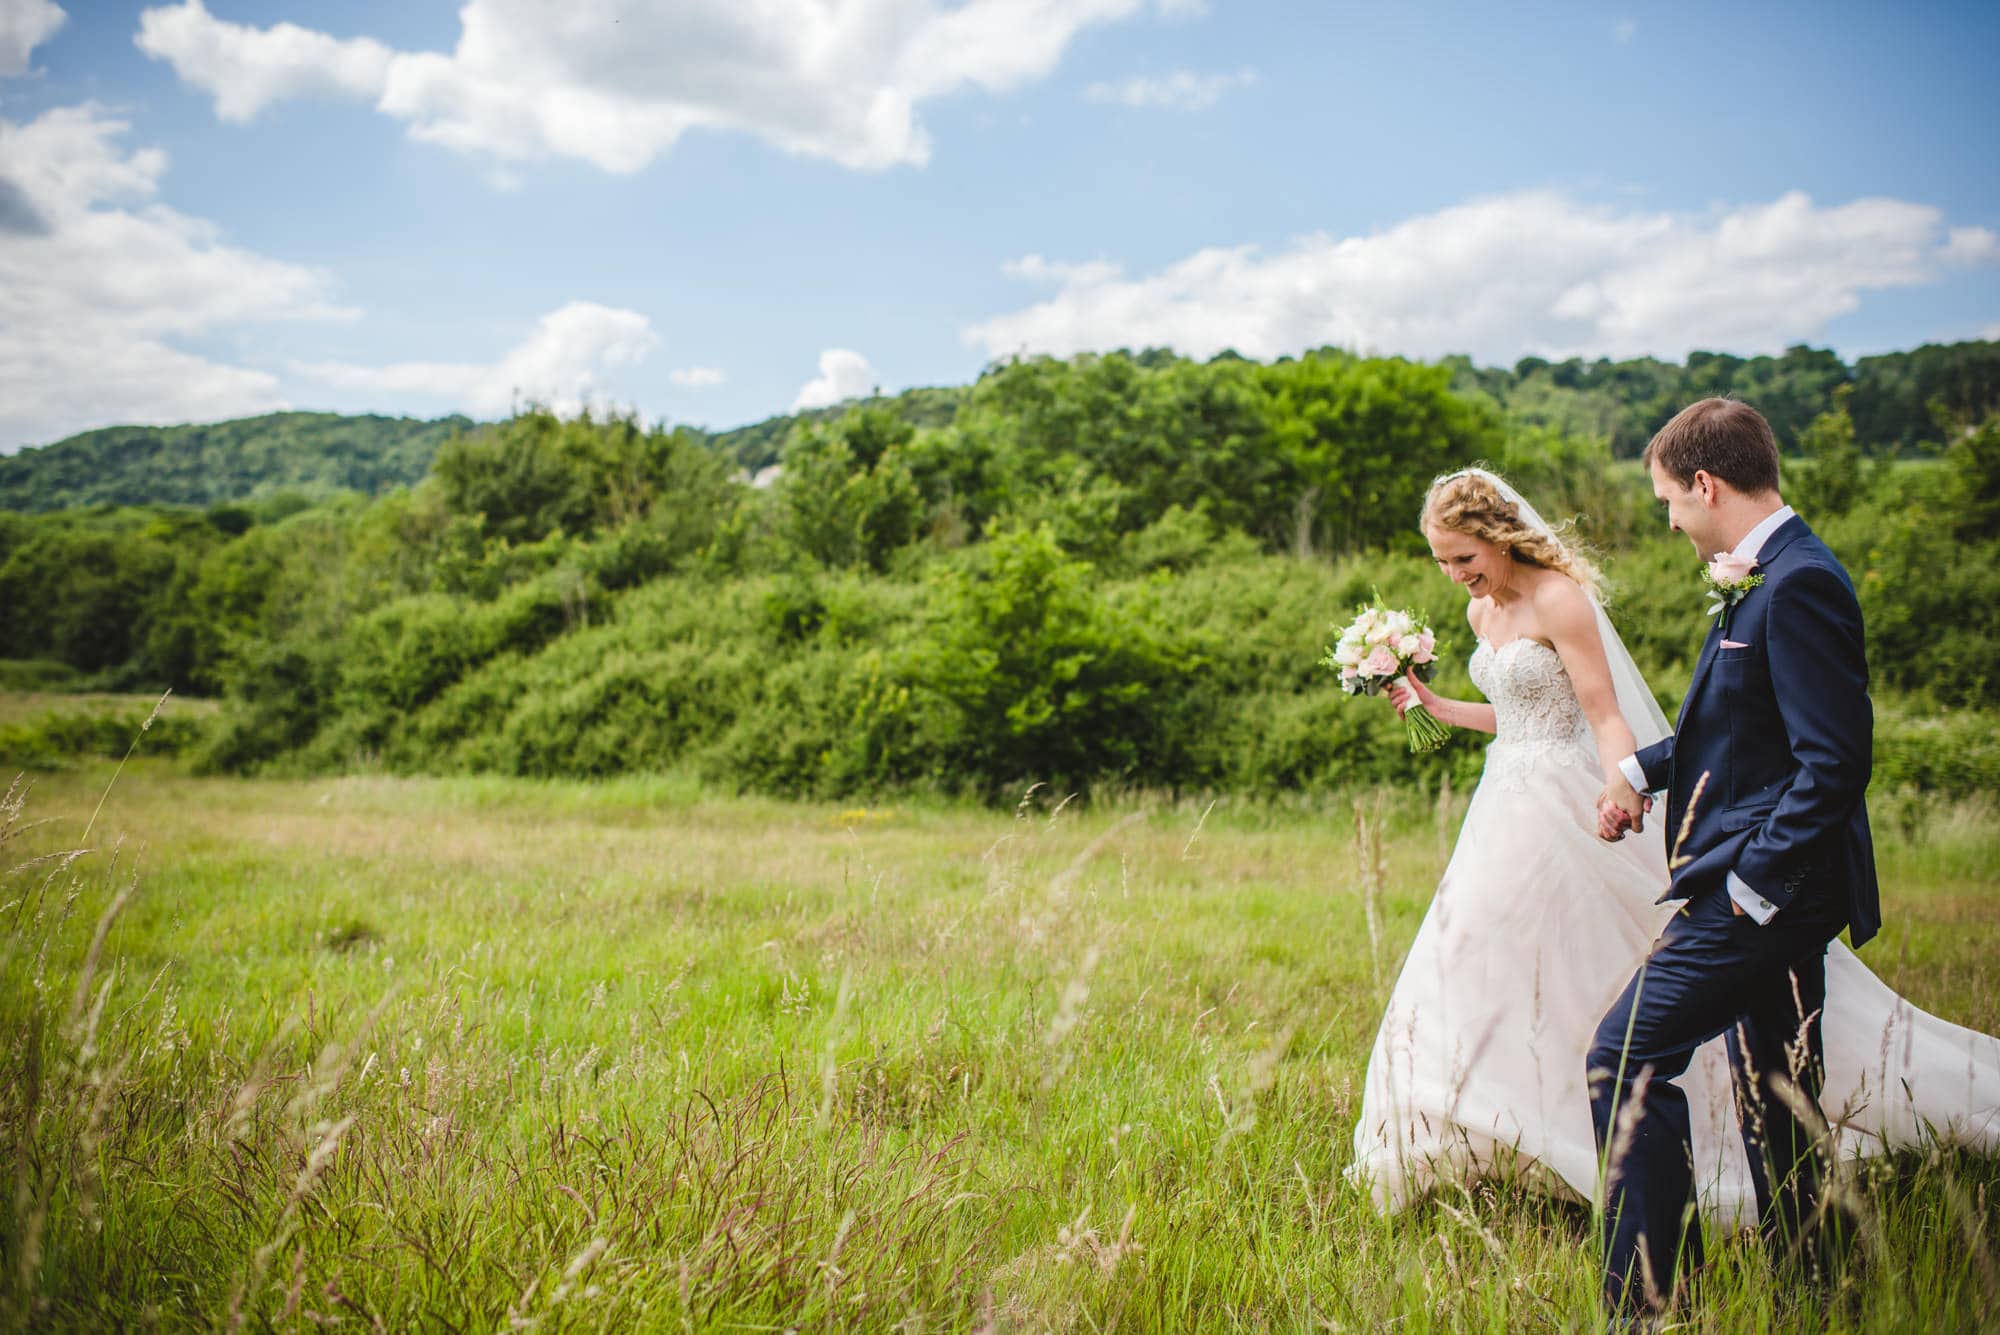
point(1688, 509)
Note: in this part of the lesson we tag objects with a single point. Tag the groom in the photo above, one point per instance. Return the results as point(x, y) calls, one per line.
point(1776, 736)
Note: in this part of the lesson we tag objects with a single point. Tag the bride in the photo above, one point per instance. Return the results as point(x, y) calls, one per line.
point(1537, 924)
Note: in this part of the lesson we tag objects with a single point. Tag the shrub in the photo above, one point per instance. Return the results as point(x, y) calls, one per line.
point(37, 674)
point(1950, 751)
point(60, 738)
point(1024, 672)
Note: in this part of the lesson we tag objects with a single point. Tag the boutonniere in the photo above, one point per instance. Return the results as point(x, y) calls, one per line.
point(1729, 578)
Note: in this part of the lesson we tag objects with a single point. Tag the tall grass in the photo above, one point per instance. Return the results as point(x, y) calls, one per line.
point(485, 1054)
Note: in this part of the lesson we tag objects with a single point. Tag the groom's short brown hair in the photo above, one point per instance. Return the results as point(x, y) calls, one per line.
point(1721, 437)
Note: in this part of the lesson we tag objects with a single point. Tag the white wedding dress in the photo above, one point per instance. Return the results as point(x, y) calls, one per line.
point(1535, 929)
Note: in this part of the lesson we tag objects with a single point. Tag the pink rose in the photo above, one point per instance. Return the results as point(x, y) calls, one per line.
point(1729, 568)
point(1381, 663)
point(1426, 648)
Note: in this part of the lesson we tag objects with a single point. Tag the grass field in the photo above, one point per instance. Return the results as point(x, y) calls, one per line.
point(483, 1054)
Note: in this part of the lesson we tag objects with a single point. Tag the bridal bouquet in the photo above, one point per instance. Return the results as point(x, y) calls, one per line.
point(1378, 647)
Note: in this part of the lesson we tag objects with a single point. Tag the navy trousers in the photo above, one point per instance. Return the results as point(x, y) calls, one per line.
point(1711, 972)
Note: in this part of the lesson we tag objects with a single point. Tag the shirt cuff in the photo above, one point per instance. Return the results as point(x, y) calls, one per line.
point(1635, 776)
point(1749, 900)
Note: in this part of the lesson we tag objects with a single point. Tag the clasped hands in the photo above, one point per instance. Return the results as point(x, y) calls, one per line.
point(1621, 807)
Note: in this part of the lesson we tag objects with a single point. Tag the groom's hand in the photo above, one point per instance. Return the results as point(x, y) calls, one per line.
point(1620, 807)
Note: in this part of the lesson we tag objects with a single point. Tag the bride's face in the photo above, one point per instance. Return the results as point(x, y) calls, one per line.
point(1480, 567)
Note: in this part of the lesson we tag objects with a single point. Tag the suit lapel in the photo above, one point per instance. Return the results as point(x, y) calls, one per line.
point(1701, 666)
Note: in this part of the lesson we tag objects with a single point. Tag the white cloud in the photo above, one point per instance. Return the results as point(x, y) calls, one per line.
point(249, 68)
point(617, 82)
point(98, 282)
point(25, 25)
point(843, 374)
point(1972, 245)
point(1623, 31)
point(1183, 90)
point(559, 365)
point(1534, 272)
point(696, 377)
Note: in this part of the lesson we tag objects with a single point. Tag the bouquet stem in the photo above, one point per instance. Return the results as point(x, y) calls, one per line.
point(1425, 732)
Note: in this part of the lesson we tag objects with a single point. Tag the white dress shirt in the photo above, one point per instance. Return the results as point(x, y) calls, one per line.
point(1752, 546)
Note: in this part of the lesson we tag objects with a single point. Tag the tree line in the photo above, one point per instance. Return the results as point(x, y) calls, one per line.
point(1107, 569)
point(1896, 402)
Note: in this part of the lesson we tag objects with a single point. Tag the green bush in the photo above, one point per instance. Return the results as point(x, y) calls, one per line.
point(402, 655)
point(37, 674)
point(1025, 672)
point(848, 496)
point(1930, 592)
point(60, 738)
point(1952, 751)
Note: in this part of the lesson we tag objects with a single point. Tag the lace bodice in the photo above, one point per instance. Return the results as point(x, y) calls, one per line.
point(1536, 715)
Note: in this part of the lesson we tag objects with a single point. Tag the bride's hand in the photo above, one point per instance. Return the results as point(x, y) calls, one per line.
point(1403, 699)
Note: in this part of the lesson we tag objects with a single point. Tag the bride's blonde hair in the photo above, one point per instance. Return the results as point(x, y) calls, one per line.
point(1469, 503)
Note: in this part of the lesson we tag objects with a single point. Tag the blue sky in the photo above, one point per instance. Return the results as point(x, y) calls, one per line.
point(711, 210)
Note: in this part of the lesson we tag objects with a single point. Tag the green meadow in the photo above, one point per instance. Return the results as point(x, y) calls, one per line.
point(493, 1053)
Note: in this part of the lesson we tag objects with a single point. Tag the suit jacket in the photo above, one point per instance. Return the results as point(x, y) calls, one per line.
point(1784, 730)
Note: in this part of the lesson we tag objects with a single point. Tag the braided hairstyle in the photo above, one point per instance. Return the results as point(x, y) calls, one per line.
point(1467, 503)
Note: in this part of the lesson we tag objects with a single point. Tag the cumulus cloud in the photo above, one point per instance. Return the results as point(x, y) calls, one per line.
point(558, 365)
point(18, 214)
point(1972, 245)
point(696, 377)
point(25, 25)
point(100, 284)
point(1534, 272)
point(247, 68)
point(618, 82)
point(843, 374)
point(1183, 90)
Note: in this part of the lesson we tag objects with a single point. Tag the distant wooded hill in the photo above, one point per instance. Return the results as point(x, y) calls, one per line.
point(1897, 402)
point(313, 453)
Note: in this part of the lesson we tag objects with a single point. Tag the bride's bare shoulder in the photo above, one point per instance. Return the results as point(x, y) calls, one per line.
point(1557, 595)
point(1563, 612)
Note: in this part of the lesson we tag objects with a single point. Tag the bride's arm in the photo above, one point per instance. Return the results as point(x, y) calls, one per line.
point(1472, 715)
point(1565, 612)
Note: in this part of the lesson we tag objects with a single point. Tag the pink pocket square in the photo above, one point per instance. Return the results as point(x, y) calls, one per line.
point(1734, 644)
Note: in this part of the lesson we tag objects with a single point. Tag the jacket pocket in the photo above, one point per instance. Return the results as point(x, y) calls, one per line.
point(1743, 817)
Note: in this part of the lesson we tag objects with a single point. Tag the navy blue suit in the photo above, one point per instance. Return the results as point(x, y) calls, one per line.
point(1782, 729)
